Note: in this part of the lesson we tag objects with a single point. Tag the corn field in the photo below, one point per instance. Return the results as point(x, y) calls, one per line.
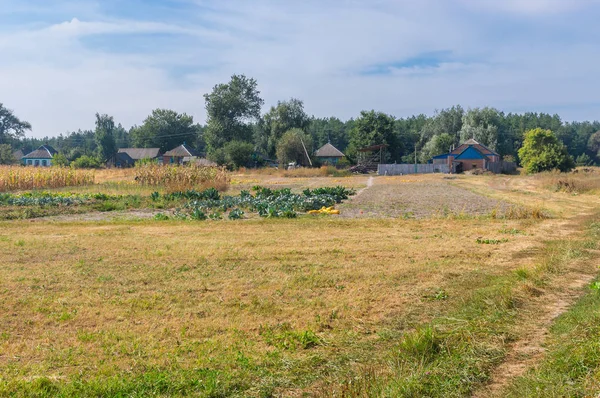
point(14, 178)
point(180, 178)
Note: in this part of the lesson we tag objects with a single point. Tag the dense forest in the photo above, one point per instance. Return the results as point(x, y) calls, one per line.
point(237, 133)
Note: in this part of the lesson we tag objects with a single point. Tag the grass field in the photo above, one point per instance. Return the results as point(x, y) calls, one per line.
point(394, 298)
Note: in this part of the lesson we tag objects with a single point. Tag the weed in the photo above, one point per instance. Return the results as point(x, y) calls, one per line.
point(483, 241)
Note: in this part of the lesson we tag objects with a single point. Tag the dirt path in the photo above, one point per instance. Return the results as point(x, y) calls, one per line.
point(369, 185)
point(537, 317)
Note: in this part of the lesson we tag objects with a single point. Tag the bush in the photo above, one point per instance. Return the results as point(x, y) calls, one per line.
point(60, 160)
point(542, 151)
point(86, 162)
point(238, 154)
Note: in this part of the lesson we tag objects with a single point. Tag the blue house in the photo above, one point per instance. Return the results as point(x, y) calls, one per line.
point(40, 157)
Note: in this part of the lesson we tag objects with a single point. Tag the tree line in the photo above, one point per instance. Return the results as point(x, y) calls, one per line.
point(236, 133)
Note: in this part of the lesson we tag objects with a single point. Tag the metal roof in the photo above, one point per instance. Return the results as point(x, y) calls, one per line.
point(43, 152)
point(329, 151)
point(474, 144)
point(141, 153)
point(182, 151)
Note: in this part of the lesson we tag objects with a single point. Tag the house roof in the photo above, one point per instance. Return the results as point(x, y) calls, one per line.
point(442, 156)
point(18, 155)
point(472, 152)
point(182, 151)
point(329, 151)
point(141, 153)
point(205, 162)
point(472, 143)
point(43, 152)
point(124, 157)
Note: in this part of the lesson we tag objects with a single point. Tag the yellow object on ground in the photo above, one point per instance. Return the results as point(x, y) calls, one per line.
point(325, 210)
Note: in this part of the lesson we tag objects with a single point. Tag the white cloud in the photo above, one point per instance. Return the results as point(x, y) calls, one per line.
point(313, 50)
point(531, 6)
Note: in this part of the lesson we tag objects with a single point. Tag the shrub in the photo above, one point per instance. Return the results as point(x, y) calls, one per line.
point(60, 159)
point(542, 151)
point(238, 154)
point(86, 162)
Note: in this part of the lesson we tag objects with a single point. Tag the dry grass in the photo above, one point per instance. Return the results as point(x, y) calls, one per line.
point(272, 307)
point(13, 178)
point(98, 300)
point(582, 180)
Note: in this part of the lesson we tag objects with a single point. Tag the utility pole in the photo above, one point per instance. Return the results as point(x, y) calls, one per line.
point(415, 158)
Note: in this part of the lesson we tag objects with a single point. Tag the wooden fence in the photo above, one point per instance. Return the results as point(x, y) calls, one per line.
point(501, 167)
point(401, 169)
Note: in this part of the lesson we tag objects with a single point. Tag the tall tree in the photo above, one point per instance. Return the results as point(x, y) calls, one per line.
point(165, 129)
point(332, 130)
point(373, 128)
point(438, 145)
point(285, 116)
point(483, 125)
point(294, 147)
point(104, 134)
point(231, 108)
point(11, 127)
point(594, 146)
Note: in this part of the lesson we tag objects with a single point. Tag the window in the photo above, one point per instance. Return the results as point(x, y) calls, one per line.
point(474, 166)
point(30, 162)
point(172, 159)
point(44, 162)
point(37, 162)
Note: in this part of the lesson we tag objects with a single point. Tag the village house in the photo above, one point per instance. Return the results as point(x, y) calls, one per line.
point(18, 156)
point(127, 157)
point(328, 154)
point(472, 155)
point(40, 157)
point(180, 155)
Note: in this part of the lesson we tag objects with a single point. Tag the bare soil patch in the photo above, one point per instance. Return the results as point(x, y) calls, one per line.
point(410, 198)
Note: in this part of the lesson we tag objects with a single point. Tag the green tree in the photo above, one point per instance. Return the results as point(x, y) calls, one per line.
point(584, 160)
point(542, 151)
point(11, 127)
point(594, 145)
point(293, 147)
point(104, 135)
point(373, 128)
point(332, 130)
point(484, 125)
point(280, 119)
point(6, 154)
point(165, 129)
point(230, 110)
point(238, 154)
point(438, 145)
point(60, 159)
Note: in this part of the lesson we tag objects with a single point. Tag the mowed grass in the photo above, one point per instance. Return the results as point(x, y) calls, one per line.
point(236, 308)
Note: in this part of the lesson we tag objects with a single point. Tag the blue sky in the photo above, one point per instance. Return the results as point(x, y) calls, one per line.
point(64, 60)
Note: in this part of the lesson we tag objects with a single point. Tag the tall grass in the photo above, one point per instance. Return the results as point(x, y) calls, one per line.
point(181, 178)
point(582, 180)
point(14, 178)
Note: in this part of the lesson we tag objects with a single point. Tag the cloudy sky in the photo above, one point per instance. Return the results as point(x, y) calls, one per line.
point(61, 61)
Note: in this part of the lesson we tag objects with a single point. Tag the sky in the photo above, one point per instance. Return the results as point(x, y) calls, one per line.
point(61, 61)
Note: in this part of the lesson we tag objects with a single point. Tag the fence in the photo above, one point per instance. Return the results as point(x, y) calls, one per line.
point(400, 169)
point(501, 167)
